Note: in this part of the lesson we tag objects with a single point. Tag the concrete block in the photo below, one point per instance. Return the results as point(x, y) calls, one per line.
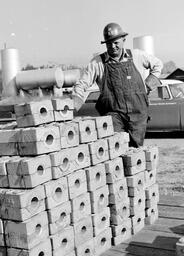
point(63, 241)
point(20, 205)
point(59, 217)
point(152, 192)
point(44, 248)
point(101, 221)
point(119, 212)
point(85, 249)
point(180, 247)
point(138, 222)
point(121, 232)
point(8, 142)
point(81, 207)
point(87, 129)
point(150, 177)
point(69, 134)
point(83, 231)
point(104, 126)
point(3, 172)
point(99, 199)
point(136, 183)
point(39, 140)
point(27, 234)
point(114, 170)
point(34, 113)
point(62, 163)
point(137, 203)
point(96, 176)
point(56, 192)
point(99, 151)
point(151, 153)
point(81, 156)
point(151, 215)
point(29, 172)
point(103, 241)
point(118, 144)
point(134, 161)
point(63, 103)
point(3, 251)
point(118, 191)
point(77, 183)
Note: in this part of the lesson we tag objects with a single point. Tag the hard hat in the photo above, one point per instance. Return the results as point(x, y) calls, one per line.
point(112, 31)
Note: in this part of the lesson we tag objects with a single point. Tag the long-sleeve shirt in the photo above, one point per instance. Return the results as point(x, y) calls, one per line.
point(145, 63)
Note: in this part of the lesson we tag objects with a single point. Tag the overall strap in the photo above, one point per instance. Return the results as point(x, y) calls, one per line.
point(102, 55)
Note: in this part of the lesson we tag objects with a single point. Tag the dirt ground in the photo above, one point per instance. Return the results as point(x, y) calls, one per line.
point(170, 170)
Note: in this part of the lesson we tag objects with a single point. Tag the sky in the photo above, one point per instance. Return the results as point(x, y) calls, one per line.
point(70, 31)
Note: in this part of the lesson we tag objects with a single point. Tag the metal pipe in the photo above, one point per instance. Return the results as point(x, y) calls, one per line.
point(40, 78)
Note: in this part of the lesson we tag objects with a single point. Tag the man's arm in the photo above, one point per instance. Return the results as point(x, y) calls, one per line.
point(86, 81)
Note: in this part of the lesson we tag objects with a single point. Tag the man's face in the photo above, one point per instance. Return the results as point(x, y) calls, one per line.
point(114, 47)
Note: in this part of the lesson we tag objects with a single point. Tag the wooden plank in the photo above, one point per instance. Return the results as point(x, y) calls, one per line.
point(174, 212)
point(167, 225)
point(171, 200)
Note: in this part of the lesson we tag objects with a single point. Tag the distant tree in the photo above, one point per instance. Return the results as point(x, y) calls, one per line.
point(29, 67)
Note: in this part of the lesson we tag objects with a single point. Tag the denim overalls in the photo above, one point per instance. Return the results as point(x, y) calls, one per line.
point(123, 96)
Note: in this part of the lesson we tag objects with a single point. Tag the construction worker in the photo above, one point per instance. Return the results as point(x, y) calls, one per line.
point(119, 73)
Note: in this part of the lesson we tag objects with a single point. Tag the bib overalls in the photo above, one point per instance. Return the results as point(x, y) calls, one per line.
point(123, 96)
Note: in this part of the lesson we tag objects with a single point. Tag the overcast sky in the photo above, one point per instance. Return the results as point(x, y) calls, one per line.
point(70, 31)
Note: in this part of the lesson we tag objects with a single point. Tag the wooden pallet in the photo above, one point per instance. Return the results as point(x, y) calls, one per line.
point(160, 238)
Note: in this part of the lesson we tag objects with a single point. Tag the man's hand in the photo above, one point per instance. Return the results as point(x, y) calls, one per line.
point(78, 102)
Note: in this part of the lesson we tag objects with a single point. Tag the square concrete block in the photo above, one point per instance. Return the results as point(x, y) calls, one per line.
point(56, 192)
point(137, 204)
point(121, 232)
point(152, 192)
point(150, 177)
point(101, 221)
point(118, 191)
point(87, 129)
point(39, 140)
point(87, 248)
point(83, 231)
point(119, 212)
point(4, 183)
point(103, 241)
point(44, 248)
point(59, 217)
point(134, 161)
point(20, 205)
point(34, 113)
point(63, 103)
point(81, 156)
point(62, 163)
point(27, 234)
point(99, 151)
point(151, 153)
point(104, 126)
point(69, 134)
point(77, 183)
point(81, 207)
point(29, 172)
point(96, 176)
point(138, 222)
point(151, 215)
point(99, 199)
point(137, 182)
point(118, 144)
point(114, 170)
point(63, 241)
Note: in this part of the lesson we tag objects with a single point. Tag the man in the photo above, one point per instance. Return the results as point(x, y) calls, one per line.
point(119, 74)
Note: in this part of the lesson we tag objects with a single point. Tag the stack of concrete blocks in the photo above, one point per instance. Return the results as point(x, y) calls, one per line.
point(70, 186)
point(140, 170)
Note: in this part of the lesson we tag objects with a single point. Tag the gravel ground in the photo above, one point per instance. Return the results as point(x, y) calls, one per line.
point(170, 170)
